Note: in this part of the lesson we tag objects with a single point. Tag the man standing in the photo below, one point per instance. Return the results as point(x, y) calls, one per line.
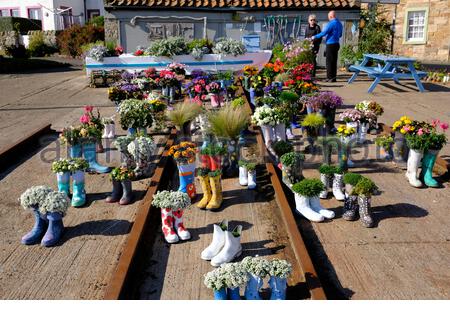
point(333, 31)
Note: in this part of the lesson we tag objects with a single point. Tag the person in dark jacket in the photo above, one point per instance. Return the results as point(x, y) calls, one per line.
point(333, 32)
point(311, 30)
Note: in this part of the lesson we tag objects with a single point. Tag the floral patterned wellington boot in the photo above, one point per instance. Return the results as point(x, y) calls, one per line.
point(183, 234)
point(364, 211)
point(167, 226)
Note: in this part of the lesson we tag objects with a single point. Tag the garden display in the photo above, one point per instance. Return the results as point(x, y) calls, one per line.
point(172, 205)
point(307, 201)
point(110, 128)
point(292, 167)
point(350, 211)
point(184, 155)
point(364, 189)
point(247, 174)
point(122, 187)
point(75, 168)
point(48, 207)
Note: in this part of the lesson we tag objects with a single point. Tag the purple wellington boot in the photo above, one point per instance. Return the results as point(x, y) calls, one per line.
point(54, 231)
point(35, 235)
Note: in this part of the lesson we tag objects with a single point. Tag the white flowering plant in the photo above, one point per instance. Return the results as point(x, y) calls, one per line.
point(162, 199)
point(33, 196)
point(141, 148)
point(235, 275)
point(180, 200)
point(135, 113)
point(61, 166)
point(121, 143)
point(55, 201)
point(97, 53)
point(215, 279)
point(229, 46)
point(257, 266)
point(69, 165)
point(280, 268)
point(264, 115)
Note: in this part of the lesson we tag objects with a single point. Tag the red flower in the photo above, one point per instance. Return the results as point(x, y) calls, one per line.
point(119, 50)
point(85, 119)
point(139, 52)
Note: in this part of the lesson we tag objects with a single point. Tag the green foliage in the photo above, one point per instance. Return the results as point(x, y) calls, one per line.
point(199, 44)
point(37, 46)
point(183, 112)
point(215, 173)
point(376, 35)
point(308, 187)
point(416, 142)
point(352, 178)
point(348, 54)
point(167, 47)
point(385, 141)
point(98, 21)
point(282, 147)
point(289, 97)
point(250, 166)
point(214, 149)
point(21, 25)
point(228, 122)
point(291, 158)
point(225, 75)
point(122, 174)
point(327, 169)
point(71, 40)
point(202, 172)
point(313, 120)
point(365, 187)
point(435, 141)
point(238, 102)
point(278, 53)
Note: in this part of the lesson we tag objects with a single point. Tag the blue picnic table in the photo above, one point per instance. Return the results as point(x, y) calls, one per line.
point(394, 68)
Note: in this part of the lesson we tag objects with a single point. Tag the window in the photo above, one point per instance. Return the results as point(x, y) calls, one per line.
point(5, 13)
point(15, 13)
point(35, 13)
point(93, 13)
point(416, 20)
point(10, 12)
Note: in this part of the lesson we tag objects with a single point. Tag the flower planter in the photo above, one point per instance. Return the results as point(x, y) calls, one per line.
point(134, 131)
point(186, 175)
point(278, 286)
point(268, 134)
point(428, 161)
point(280, 132)
point(362, 132)
point(75, 151)
point(63, 179)
point(400, 149)
point(233, 294)
point(353, 125)
point(220, 294)
point(252, 289)
point(252, 94)
point(216, 100)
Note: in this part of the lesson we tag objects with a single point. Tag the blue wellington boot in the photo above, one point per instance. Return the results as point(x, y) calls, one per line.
point(428, 160)
point(54, 231)
point(75, 151)
point(253, 96)
point(252, 289)
point(131, 131)
point(35, 235)
point(79, 194)
point(90, 155)
point(186, 174)
point(63, 179)
point(278, 286)
point(233, 294)
point(220, 294)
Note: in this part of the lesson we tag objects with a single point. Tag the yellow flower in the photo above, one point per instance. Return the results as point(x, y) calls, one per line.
point(403, 118)
point(83, 132)
point(411, 128)
point(407, 121)
point(402, 131)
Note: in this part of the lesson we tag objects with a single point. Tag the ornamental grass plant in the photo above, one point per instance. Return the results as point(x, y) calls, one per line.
point(183, 113)
point(228, 122)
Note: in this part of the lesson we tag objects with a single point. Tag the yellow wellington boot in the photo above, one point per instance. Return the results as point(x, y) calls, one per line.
point(216, 199)
point(206, 187)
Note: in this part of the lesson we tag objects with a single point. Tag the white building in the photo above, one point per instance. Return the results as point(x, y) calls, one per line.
point(54, 14)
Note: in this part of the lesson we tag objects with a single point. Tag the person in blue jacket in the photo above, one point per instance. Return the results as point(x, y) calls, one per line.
point(333, 32)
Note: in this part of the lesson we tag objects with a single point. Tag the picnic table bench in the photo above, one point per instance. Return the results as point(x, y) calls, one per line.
point(393, 68)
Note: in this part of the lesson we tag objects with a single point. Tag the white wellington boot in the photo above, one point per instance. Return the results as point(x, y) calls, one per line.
point(338, 185)
point(218, 241)
point(303, 207)
point(414, 158)
point(243, 181)
point(112, 131)
point(232, 248)
point(289, 134)
point(316, 206)
point(326, 182)
point(251, 178)
point(105, 131)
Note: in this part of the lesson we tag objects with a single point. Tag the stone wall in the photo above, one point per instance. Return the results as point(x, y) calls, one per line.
point(436, 48)
point(49, 36)
point(8, 38)
point(112, 30)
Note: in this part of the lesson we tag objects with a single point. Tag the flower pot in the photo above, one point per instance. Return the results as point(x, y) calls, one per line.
point(268, 133)
point(400, 149)
point(385, 154)
point(75, 151)
point(233, 294)
point(428, 161)
point(215, 162)
point(63, 179)
point(280, 132)
point(353, 125)
point(165, 91)
point(205, 161)
point(246, 83)
point(252, 289)
point(172, 94)
point(362, 132)
point(99, 147)
point(134, 131)
point(220, 294)
point(330, 115)
point(278, 286)
point(186, 175)
point(216, 100)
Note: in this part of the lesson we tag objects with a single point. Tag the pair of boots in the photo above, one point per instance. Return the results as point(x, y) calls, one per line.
point(79, 193)
point(47, 229)
point(122, 192)
point(353, 205)
point(225, 245)
point(109, 132)
point(337, 183)
point(247, 178)
point(212, 192)
point(172, 220)
point(89, 153)
point(428, 160)
point(311, 208)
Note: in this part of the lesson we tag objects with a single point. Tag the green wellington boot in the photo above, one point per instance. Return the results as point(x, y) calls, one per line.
point(428, 160)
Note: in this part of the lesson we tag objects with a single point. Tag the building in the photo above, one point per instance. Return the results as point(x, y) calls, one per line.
point(54, 14)
point(422, 29)
point(133, 23)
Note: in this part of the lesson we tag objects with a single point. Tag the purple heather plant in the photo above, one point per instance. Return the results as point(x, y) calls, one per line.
point(273, 90)
point(197, 73)
point(127, 76)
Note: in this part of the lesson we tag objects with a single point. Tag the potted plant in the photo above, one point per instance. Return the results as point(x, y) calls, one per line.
point(225, 78)
point(345, 133)
point(351, 118)
point(235, 277)
point(77, 167)
point(215, 280)
point(400, 148)
point(91, 120)
point(216, 93)
point(289, 102)
point(135, 115)
point(249, 71)
point(247, 174)
point(54, 208)
point(326, 176)
point(312, 123)
point(368, 118)
point(216, 189)
point(71, 136)
point(141, 149)
point(279, 271)
point(184, 156)
point(122, 188)
point(435, 141)
point(385, 143)
point(203, 178)
point(328, 144)
point(257, 268)
point(282, 147)
point(329, 102)
point(365, 188)
point(179, 202)
point(292, 167)
point(61, 169)
point(265, 118)
point(373, 106)
point(181, 116)
point(109, 128)
point(30, 200)
point(307, 201)
point(351, 200)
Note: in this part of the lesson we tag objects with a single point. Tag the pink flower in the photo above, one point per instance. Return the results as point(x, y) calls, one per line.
point(198, 88)
point(85, 119)
point(444, 126)
point(420, 132)
point(88, 108)
point(434, 123)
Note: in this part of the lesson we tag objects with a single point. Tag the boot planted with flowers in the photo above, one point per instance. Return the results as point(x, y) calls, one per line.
point(184, 155)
